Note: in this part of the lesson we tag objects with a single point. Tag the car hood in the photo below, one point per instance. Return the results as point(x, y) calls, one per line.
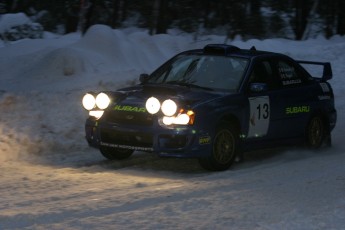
point(188, 96)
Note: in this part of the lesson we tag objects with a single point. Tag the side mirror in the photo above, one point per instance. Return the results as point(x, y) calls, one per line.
point(258, 87)
point(143, 77)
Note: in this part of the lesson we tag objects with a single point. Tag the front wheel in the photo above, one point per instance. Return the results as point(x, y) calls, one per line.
point(224, 149)
point(116, 153)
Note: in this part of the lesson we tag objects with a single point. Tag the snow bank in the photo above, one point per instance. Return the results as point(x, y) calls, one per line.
point(18, 26)
point(34, 123)
point(8, 21)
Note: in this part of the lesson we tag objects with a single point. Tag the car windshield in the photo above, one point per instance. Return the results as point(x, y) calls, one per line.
point(202, 71)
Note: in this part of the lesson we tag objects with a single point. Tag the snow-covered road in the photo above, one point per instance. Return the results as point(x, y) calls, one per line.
point(273, 190)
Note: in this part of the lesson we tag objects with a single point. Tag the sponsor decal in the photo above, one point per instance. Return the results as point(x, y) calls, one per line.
point(145, 149)
point(324, 97)
point(259, 116)
point(291, 82)
point(297, 109)
point(204, 140)
point(129, 108)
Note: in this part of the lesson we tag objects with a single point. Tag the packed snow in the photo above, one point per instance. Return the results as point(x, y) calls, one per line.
point(51, 179)
point(7, 21)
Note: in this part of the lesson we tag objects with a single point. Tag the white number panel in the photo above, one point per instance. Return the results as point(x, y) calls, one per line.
point(259, 117)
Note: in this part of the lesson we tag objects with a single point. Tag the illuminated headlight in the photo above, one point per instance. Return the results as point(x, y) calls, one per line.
point(89, 101)
point(96, 113)
point(180, 119)
point(168, 120)
point(102, 101)
point(153, 105)
point(169, 107)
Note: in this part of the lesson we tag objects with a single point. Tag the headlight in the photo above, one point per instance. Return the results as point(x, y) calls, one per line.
point(168, 120)
point(169, 107)
point(102, 101)
point(96, 113)
point(183, 118)
point(89, 101)
point(153, 105)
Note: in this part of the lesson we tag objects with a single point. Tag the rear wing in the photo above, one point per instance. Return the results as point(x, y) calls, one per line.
point(327, 68)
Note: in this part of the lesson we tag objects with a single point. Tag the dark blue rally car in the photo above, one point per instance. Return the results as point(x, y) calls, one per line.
point(214, 104)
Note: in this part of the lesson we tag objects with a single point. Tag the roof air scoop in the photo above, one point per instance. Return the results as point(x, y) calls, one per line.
point(220, 49)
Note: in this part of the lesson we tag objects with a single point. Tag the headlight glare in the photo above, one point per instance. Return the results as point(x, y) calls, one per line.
point(168, 120)
point(183, 118)
point(169, 107)
point(152, 105)
point(89, 101)
point(96, 113)
point(102, 101)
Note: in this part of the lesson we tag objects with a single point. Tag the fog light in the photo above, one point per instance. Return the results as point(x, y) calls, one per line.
point(89, 101)
point(102, 101)
point(169, 107)
point(152, 105)
point(96, 113)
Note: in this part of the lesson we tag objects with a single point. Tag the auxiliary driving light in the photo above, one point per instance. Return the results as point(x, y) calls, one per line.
point(153, 105)
point(89, 101)
point(102, 101)
point(169, 107)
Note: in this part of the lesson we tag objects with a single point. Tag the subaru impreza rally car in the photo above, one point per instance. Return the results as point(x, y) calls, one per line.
point(214, 104)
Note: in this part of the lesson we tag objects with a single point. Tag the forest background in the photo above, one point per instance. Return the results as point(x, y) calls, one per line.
point(292, 19)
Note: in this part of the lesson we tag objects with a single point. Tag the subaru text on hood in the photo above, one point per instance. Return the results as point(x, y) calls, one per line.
point(214, 104)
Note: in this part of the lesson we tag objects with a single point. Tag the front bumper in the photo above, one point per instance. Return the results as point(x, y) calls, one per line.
point(179, 141)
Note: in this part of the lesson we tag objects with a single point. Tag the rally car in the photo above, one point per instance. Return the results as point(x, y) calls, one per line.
point(214, 104)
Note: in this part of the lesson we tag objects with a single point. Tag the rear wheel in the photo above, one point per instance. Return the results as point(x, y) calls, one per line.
point(316, 133)
point(224, 149)
point(116, 153)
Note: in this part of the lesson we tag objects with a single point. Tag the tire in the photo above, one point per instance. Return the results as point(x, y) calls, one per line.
point(224, 149)
point(116, 153)
point(316, 133)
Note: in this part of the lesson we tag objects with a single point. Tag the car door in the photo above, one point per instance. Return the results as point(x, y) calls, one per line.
point(262, 106)
point(292, 99)
point(280, 109)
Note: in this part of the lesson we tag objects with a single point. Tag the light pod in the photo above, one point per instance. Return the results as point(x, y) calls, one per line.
point(169, 108)
point(152, 105)
point(102, 101)
point(89, 101)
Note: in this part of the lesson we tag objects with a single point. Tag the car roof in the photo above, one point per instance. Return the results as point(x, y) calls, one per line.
point(230, 50)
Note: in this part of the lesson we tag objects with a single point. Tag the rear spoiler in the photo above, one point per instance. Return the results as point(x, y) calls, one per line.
point(327, 68)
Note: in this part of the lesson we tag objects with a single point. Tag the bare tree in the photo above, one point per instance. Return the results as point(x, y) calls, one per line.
point(302, 12)
point(158, 20)
point(309, 22)
point(119, 12)
point(341, 18)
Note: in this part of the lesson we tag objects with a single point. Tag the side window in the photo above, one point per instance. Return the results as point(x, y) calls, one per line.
point(288, 75)
point(262, 73)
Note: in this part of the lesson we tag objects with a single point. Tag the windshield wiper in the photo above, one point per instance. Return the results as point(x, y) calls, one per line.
point(187, 84)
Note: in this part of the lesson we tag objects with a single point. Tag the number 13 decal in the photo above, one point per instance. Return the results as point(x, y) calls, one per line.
point(263, 111)
point(259, 117)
